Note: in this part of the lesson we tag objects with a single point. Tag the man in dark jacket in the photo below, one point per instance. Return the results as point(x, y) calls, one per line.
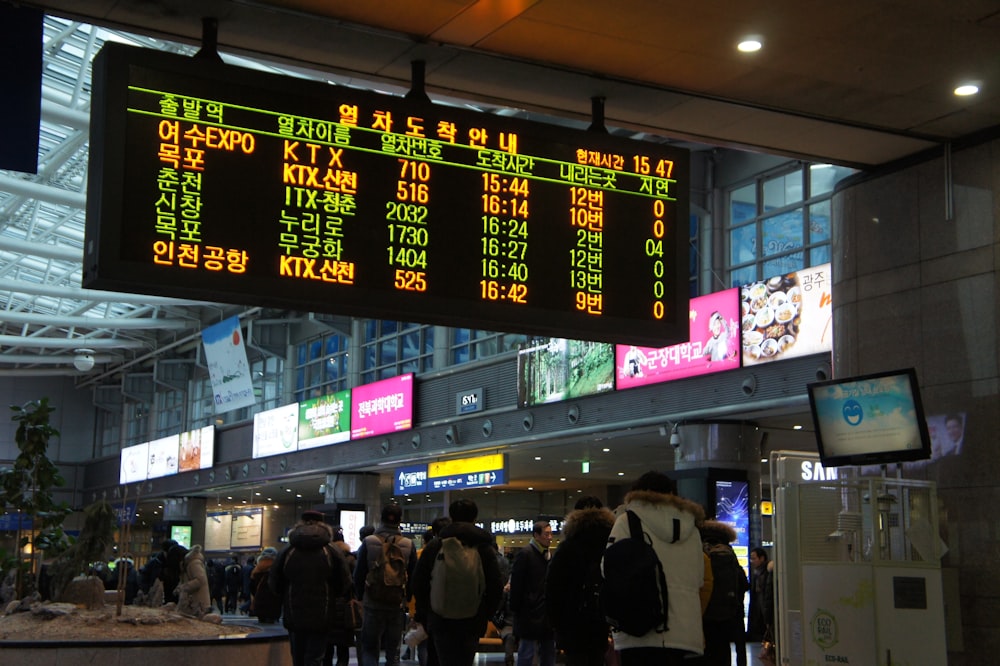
point(527, 599)
point(572, 584)
point(457, 640)
point(383, 620)
point(309, 575)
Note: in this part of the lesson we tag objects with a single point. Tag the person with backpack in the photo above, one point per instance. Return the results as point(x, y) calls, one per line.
point(386, 561)
point(308, 575)
point(527, 599)
point(572, 586)
point(667, 622)
point(457, 586)
point(723, 619)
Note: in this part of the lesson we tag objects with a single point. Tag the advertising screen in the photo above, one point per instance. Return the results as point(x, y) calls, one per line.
point(134, 461)
point(223, 183)
point(713, 346)
point(197, 449)
point(163, 454)
point(276, 431)
point(382, 407)
point(560, 369)
point(869, 420)
point(787, 316)
point(325, 420)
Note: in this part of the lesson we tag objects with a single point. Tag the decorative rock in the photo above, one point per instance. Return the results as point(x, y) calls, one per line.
point(85, 592)
point(51, 610)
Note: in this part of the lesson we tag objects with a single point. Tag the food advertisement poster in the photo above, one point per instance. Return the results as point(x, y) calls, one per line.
point(787, 316)
point(325, 420)
point(382, 407)
point(197, 448)
point(713, 346)
point(276, 431)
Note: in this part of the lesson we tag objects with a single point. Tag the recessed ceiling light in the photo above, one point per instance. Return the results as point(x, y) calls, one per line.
point(606, 450)
point(750, 45)
point(796, 427)
point(538, 457)
point(621, 473)
point(966, 89)
point(562, 478)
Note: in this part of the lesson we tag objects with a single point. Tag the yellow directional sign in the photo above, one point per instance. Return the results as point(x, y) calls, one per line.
point(465, 466)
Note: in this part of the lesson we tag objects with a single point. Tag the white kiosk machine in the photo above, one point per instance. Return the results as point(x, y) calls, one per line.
point(857, 557)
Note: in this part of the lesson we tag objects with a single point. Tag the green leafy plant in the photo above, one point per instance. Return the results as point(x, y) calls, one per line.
point(27, 488)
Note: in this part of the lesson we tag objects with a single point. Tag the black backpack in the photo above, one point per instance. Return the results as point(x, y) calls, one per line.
point(634, 592)
point(728, 587)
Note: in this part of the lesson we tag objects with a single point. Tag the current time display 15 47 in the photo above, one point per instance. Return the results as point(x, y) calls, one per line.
point(215, 182)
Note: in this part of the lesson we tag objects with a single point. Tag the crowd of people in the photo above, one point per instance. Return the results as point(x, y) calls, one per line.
point(438, 601)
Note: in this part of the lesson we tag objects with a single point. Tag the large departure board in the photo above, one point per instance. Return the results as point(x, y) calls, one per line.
point(234, 185)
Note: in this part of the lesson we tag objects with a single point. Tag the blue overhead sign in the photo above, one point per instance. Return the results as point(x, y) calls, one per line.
point(411, 479)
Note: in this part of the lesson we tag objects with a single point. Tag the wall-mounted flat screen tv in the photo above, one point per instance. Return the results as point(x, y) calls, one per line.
point(870, 420)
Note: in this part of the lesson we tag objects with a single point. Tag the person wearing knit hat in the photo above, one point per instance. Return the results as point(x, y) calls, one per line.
point(307, 576)
point(723, 619)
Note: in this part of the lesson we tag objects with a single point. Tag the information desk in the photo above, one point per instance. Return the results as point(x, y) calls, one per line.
point(228, 184)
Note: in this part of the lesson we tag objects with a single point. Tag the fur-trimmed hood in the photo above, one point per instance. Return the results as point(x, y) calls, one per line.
point(715, 532)
point(587, 520)
point(194, 554)
point(653, 508)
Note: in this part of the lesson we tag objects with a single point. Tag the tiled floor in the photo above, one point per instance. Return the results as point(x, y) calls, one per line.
point(482, 659)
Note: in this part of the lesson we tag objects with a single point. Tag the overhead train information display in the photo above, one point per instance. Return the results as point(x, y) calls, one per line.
point(221, 183)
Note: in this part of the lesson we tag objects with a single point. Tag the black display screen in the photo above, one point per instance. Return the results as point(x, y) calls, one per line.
point(226, 184)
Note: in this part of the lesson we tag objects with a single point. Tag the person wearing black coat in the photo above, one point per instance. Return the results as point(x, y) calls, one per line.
point(527, 599)
point(309, 575)
point(457, 640)
point(581, 630)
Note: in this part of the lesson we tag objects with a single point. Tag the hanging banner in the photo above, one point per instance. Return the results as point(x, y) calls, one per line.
point(228, 368)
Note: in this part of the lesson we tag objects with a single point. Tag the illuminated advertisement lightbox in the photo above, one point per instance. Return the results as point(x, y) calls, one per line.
point(382, 407)
point(325, 420)
point(787, 316)
point(276, 431)
point(713, 346)
point(163, 457)
point(197, 449)
point(560, 369)
point(134, 460)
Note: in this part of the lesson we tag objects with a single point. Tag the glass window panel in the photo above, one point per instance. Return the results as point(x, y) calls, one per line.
point(743, 204)
point(819, 222)
point(782, 233)
point(333, 344)
point(743, 244)
point(410, 343)
point(387, 352)
point(388, 327)
point(819, 255)
point(460, 355)
point(783, 190)
point(460, 335)
point(371, 329)
point(824, 177)
point(742, 276)
point(786, 264)
point(315, 349)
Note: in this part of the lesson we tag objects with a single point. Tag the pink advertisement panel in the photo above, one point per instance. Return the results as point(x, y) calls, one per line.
point(382, 407)
point(713, 346)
